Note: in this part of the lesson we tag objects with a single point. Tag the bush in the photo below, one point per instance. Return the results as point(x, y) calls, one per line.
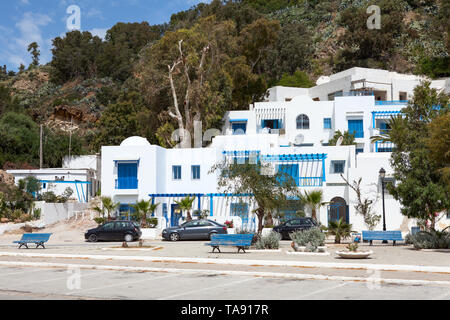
point(430, 239)
point(152, 222)
point(270, 241)
point(311, 238)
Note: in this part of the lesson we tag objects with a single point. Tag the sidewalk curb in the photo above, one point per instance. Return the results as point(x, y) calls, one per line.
point(227, 272)
point(285, 263)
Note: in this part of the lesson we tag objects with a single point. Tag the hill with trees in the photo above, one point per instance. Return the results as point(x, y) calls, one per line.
point(148, 80)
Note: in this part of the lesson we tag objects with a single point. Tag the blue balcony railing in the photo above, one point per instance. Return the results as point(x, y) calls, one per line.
point(126, 183)
point(391, 103)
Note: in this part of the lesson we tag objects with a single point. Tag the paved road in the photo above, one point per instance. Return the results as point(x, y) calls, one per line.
point(28, 283)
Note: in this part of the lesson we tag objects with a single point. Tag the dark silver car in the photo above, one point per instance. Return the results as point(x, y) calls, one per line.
point(194, 230)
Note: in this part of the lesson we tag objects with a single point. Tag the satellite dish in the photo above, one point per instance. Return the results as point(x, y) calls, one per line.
point(339, 142)
point(299, 139)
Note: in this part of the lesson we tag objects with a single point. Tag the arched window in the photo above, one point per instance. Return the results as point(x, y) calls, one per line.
point(302, 122)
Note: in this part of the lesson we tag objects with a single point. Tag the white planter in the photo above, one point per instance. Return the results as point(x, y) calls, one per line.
point(266, 231)
point(303, 249)
point(231, 231)
point(354, 255)
point(150, 233)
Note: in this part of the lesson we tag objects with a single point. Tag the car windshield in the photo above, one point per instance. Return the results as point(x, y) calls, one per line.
point(136, 224)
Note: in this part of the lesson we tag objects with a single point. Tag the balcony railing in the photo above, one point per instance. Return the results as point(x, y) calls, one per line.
point(354, 94)
point(309, 181)
point(126, 184)
point(391, 103)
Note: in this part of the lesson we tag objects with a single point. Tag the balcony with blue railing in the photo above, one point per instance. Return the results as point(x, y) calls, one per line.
point(354, 94)
point(126, 183)
point(391, 103)
point(309, 181)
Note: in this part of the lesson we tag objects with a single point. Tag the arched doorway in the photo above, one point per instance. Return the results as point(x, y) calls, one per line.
point(338, 209)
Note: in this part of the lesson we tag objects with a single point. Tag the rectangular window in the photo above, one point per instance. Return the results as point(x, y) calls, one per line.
point(271, 124)
point(356, 127)
point(195, 172)
point(239, 128)
point(176, 172)
point(338, 166)
point(359, 150)
point(327, 123)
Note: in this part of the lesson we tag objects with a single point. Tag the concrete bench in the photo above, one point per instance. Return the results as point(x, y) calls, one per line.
point(382, 235)
point(37, 238)
point(241, 241)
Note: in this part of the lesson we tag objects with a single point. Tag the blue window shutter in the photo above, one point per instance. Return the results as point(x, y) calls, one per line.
point(327, 123)
point(356, 127)
point(127, 175)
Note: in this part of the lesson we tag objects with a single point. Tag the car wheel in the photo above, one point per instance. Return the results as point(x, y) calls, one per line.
point(128, 238)
point(211, 235)
point(93, 238)
point(174, 237)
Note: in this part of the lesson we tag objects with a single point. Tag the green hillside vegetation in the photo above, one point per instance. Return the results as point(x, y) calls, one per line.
point(231, 52)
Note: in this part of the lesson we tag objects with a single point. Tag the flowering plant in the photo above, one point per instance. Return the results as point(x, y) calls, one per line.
point(229, 224)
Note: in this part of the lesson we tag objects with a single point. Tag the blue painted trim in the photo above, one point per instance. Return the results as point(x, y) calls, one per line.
point(211, 206)
point(238, 120)
point(323, 171)
point(199, 202)
point(50, 181)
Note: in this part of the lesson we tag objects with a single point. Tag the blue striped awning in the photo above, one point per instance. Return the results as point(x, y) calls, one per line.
point(294, 157)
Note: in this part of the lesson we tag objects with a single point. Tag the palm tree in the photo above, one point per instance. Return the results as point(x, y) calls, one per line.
point(340, 229)
point(108, 207)
point(313, 200)
point(395, 124)
point(186, 204)
point(142, 208)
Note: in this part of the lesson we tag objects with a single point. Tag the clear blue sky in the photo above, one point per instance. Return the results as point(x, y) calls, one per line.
point(26, 21)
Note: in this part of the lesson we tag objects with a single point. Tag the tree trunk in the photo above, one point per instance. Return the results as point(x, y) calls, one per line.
point(260, 215)
point(189, 218)
point(314, 216)
point(269, 220)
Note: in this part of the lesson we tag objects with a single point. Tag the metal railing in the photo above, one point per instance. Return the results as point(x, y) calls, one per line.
point(126, 184)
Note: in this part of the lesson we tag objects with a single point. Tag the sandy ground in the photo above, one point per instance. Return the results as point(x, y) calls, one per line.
point(70, 231)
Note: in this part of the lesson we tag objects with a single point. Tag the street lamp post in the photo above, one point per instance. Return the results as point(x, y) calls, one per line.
point(382, 176)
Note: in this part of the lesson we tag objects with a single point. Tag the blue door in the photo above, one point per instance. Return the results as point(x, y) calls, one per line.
point(175, 216)
point(338, 209)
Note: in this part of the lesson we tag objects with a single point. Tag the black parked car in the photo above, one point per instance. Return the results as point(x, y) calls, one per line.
point(194, 230)
point(294, 225)
point(115, 231)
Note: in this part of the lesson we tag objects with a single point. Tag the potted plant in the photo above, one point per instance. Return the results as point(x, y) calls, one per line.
point(230, 226)
point(352, 252)
point(148, 225)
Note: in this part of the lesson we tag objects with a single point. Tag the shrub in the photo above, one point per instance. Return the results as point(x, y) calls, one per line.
point(229, 224)
point(430, 239)
point(152, 222)
point(311, 238)
point(270, 241)
point(37, 213)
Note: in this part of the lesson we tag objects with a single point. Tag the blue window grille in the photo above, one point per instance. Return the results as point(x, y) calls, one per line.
point(338, 166)
point(240, 209)
point(127, 176)
point(176, 172)
point(327, 123)
point(239, 127)
point(356, 127)
point(195, 172)
point(126, 212)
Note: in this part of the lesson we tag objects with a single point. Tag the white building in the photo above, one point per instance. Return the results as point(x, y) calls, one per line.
point(80, 173)
point(290, 130)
